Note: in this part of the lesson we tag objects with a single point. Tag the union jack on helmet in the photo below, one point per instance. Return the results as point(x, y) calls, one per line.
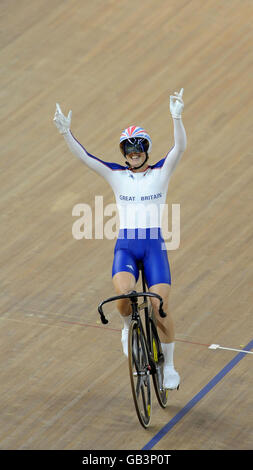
point(131, 134)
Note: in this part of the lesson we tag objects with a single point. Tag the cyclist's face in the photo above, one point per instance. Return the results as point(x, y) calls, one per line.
point(135, 159)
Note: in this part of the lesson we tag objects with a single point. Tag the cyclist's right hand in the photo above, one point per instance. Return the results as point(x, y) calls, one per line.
point(62, 122)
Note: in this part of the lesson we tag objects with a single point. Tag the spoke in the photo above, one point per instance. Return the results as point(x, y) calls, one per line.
point(138, 386)
point(144, 400)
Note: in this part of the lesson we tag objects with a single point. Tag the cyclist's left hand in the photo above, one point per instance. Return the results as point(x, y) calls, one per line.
point(177, 104)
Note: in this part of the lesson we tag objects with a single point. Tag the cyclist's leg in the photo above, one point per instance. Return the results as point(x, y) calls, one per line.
point(158, 277)
point(157, 272)
point(123, 282)
point(165, 325)
point(125, 275)
point(166, 334)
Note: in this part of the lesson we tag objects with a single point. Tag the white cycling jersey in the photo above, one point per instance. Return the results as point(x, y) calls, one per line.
point(140, 196)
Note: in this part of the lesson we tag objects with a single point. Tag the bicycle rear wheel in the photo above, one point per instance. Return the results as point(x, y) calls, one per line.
point(139, 370)
point(161, 393)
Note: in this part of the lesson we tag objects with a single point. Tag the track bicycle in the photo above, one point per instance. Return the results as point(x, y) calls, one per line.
point(145, 356)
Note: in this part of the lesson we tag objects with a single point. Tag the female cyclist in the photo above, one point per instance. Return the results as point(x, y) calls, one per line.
point(140, 190)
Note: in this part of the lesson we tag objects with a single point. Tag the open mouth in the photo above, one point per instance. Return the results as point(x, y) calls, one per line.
point(135, 157)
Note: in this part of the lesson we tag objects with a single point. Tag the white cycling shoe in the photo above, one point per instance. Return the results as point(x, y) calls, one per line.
point(171, 378)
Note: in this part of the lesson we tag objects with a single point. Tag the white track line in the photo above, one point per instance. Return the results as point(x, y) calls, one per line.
point(217, 346)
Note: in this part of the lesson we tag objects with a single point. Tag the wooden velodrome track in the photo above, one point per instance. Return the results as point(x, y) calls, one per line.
point(64, 381)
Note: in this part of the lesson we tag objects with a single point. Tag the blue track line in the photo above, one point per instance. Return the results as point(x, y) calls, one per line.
point(197, 398)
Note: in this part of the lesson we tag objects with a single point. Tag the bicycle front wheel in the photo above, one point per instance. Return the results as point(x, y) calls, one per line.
point(139, 370)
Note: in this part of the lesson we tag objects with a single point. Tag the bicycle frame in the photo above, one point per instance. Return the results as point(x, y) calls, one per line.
point(133, 296)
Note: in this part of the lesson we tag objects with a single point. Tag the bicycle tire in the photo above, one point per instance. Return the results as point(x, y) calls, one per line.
point(139, 371)
point(156, 351)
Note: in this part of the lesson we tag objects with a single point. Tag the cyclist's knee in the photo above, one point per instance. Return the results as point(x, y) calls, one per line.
point(163, 290)
point(124, 307)
point(124, 282)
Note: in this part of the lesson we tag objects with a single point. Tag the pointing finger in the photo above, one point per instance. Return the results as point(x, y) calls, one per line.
point(58, 108)
point(70, 115)
point(180, 94)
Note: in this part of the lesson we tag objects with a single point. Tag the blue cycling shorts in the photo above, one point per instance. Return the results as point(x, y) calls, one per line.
point(144, 245)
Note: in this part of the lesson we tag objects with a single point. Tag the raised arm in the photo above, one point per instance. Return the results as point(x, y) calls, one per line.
point(101, 167)
point(174, 155)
